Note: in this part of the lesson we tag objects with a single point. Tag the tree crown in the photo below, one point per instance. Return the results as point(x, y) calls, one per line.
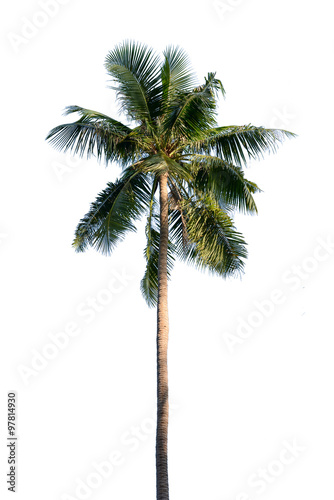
point(174, 132)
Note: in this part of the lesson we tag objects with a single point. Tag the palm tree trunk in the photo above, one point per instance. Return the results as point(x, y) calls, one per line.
point(162, 344)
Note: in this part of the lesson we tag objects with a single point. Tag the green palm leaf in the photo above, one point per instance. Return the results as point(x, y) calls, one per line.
point(95, 134)
point(213, 242)
point(113, 213)
point(226, 182)
point(192, 113)
point(176, 75)
point(135, 70)
point(149, 282)
point(237, 145)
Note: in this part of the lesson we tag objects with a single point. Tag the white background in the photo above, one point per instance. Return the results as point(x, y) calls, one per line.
point(235, 403)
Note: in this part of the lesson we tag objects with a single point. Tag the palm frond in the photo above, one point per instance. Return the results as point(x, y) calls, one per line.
point(135, 69)
point(176, 74)
point(226, 182)
point(191, 113)
point(95, 134)
point(214, 243)
point(238, 144)
point(176, 207)
point(90, 116)
point(113, 212)
point(149, 282)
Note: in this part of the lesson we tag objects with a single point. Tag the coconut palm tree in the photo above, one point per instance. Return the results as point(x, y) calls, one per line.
point(179, 169)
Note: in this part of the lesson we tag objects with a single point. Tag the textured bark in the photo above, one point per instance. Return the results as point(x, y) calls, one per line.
point(162, 345)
